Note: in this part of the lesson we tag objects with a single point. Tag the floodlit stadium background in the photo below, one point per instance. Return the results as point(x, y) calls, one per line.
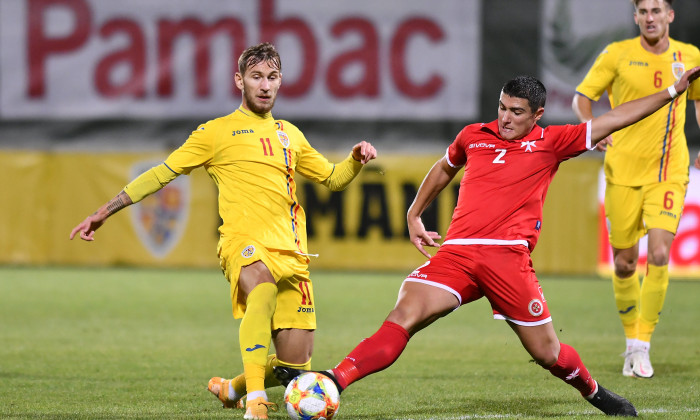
point(94, 92)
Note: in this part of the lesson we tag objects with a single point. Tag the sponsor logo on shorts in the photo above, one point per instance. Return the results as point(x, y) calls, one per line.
point(303, 309)
point(248, 251)
point(535, 307)
point(416, 273)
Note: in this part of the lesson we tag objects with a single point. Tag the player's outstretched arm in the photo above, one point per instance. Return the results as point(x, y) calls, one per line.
point(583, 108)
point(349, 168)
point(437, 179)
point(633, 111)
point(87, 227)
point(697, 161)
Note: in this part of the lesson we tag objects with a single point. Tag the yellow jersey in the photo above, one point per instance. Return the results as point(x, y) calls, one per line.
point(654, 149)
point(253, 160)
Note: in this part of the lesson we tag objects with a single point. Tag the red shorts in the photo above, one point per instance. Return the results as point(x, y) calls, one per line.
point(503, 274)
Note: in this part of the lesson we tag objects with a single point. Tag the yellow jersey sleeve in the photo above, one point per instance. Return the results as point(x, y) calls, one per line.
point(311, 164)
point(600, 76)
point(198, 149)
point(149, 182)
point(343, 174)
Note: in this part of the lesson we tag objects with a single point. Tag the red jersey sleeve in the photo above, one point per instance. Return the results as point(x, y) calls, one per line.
point(571, 140)
point(457, 151)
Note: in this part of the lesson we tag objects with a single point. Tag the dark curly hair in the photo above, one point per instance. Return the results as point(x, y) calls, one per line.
point(527, 87)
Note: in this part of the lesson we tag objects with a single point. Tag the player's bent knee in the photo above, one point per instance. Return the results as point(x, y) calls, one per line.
point(658, 256)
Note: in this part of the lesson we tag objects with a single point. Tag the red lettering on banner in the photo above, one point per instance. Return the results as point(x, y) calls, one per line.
point(399, 45)
point(168, 31)
point(40, 46)
point(270, 28)
point(366, 56)
point(122, 71)
point(134, 56)
point(688, 239)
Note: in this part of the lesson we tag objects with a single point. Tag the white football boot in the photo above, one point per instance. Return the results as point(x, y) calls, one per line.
point(641, 366)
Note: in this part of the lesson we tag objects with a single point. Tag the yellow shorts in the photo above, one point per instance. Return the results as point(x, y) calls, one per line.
point(295, 293)
point(632, 211)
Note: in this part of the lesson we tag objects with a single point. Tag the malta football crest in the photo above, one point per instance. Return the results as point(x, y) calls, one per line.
point(678, 69)
point(160, 219)
point(535, 307)
point(284, 138)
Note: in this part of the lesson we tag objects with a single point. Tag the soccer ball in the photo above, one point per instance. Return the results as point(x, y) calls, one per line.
point(311, 396)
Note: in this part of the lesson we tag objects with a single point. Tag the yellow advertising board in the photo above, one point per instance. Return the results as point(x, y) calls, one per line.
point(361, 228)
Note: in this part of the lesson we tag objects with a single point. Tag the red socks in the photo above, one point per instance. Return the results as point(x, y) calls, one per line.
point(373, 354)
point(381, 350)
point(570, 369)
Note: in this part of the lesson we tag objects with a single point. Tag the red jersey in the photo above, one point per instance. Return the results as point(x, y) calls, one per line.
point(505, 181)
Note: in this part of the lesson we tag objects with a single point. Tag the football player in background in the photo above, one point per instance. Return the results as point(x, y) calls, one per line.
point(508, 166)
point(646, 168)
point(253, 158)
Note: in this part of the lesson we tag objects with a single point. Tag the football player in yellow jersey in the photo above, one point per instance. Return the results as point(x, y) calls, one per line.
point(253, 158)
point(646, 167)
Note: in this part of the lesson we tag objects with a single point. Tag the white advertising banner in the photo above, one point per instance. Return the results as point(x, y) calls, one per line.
point(685, 251)
point(573, 34)
point(364, 59)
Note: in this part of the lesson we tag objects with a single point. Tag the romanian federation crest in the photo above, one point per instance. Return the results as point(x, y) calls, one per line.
point(284, 138)
point(678, 69)
point(160, 219)
point(248, 251)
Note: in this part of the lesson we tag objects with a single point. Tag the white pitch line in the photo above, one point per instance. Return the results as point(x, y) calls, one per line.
point(522, 416)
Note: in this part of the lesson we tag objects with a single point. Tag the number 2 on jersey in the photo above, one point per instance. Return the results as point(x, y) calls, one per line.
point(269, 146)
point(501, 153)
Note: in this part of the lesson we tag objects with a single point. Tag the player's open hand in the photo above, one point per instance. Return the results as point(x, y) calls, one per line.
point(87, 227)
point(420, 238)
point(687, 78)
point(363, 152)
point(697, 161)
point(602, 145)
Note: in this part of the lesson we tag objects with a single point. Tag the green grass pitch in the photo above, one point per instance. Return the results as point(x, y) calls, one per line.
point(142, 344)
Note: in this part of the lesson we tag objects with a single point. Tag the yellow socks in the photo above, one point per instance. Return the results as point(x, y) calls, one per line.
point(653, 295)
point(627, 293)
point(254, 336)
point(238, 383)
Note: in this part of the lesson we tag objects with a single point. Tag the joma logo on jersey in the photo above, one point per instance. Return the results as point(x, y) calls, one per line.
point(667, 213)
point(302, 309)
point(234, 132)
point(639, 64)
point(487, 145)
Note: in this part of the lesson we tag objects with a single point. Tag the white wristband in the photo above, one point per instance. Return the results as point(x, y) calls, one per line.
point(672, 92)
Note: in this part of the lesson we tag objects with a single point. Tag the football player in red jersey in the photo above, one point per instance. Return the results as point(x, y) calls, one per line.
point(509, 164)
